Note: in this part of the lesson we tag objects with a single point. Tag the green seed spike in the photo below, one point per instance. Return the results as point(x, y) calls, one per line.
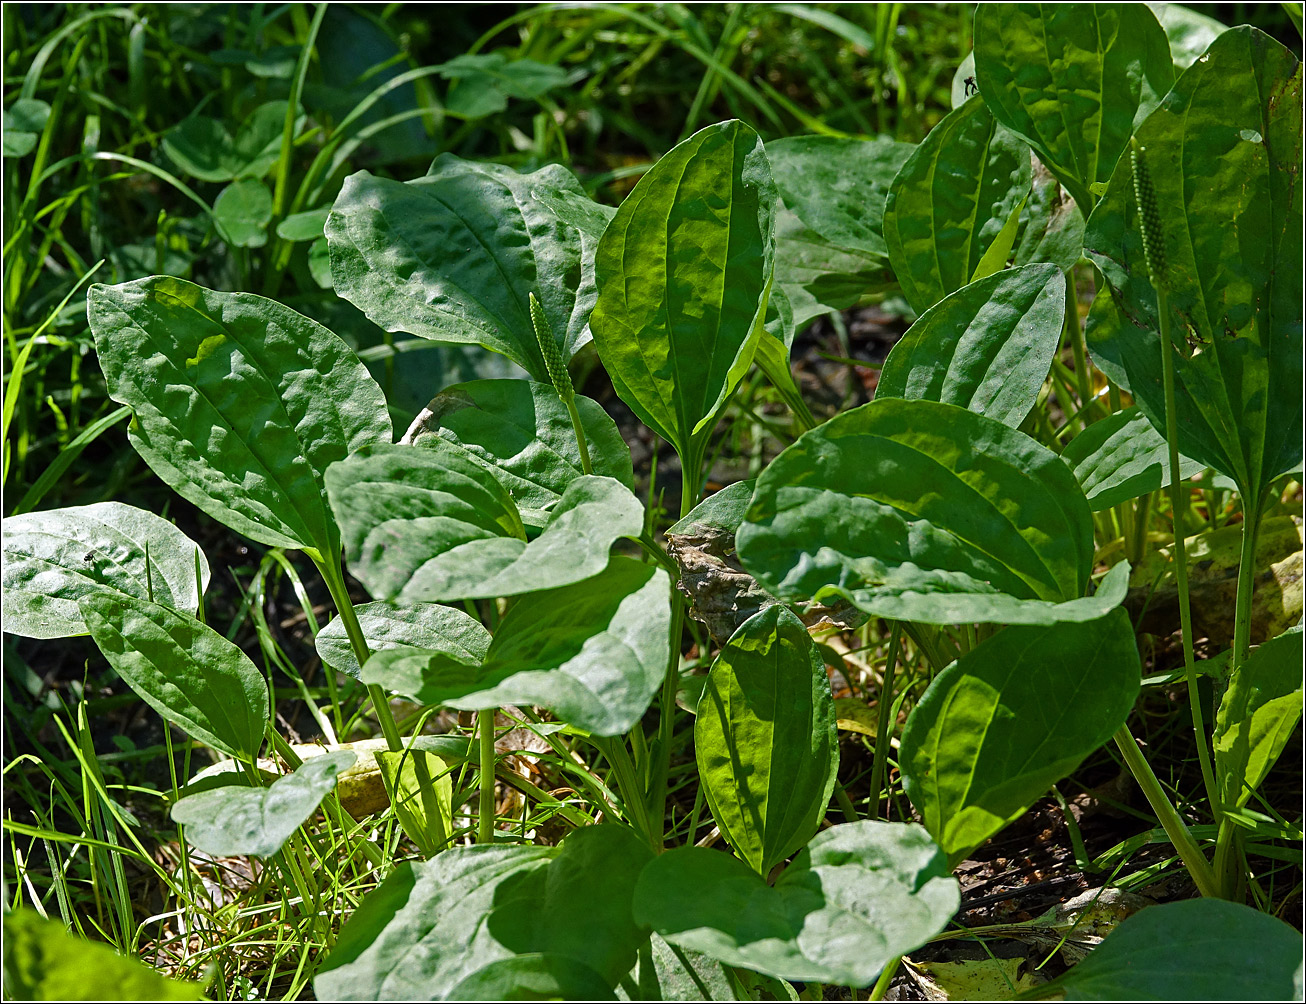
point(549, 349)
point(1149, 216)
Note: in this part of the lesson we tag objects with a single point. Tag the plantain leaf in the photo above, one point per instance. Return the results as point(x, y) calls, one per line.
point(453, 256)
point(987, 347)
point(1224, 154)
point(55, 557)
point(522, 432)
point(236, 820)
point(470, 907)
point(183, 669)
point(239, 402)
point(684, 272)
point(204, 149)
point(594, 652)
point(765, 740)
point(816, 278)
point(421, 791)
point(1122, 457)
point(924, 511)
point(1051, 225)
point(1009, 719)
point(536, 976)
point(1072, 80)
point(950, 201)
point(430, 523)
point(855, 898)
point(389, 625)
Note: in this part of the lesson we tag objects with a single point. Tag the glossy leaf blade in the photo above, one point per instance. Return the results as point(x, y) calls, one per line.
point(923, 511)
point(453, 256)
point(684, 270)
point(1257, 716)
point(1122, 457)
point(235, 820)
point(1009, 719)
point(183, 669)
point(1072, 80)
point(1197, 949)
point(416, 625)
point(533, 977)
point(817, 278)
point(1224, 154)
point(594, 652)
point(55, 557)
point(522, 431)
point(470, 907)
point(858, 896)
point(987, 347)
point(239, 402)
point(765, 740)
point(950, 201)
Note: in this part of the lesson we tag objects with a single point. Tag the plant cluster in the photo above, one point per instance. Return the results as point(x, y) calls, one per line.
point(512, 568)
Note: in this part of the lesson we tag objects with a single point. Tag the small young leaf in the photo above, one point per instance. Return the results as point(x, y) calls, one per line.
point(183, 669)
point(421, 792)
point(24, 121)
point(55, 557)
point(243, 211)
point(765, 739)
point(204, 149)
point(987, 347)
point(859, 895)
point(1009, 719)
point(1122, 457)
point(416, 625)
point(234, 820)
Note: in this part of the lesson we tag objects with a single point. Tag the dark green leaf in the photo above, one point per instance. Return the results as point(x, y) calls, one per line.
point(1224, 153)
point(204, 149)
point(684, 271)
point(1072, 80)
point(416, 625)
point(183, 669)
point(817, 278)
point(1188, 32)
point(1009, 719)
point(303, 226)
point(1052, 227)
point(485, 81)
point(470, 907)
point(594, 653)
point(243, 211)
point(720, 511)
point(858, 896)
point(522, 432)
point(453, 256)
point(924, 511)
point(533, 977)
point(1257, 716)
point(1197, 949)
point(235, 820)
point(667, 973)
point(1122, 457)
point(53, 558)
point(24, 120)
point(239, 402)
point(950, 201)
point(987, 347)
point(765, 741)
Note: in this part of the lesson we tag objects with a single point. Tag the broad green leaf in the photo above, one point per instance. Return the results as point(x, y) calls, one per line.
point(485, 81)
point(855, 898)
point(239, 402)
point(469, 907)
point(417, 625)
point(1196, 949)
point(183, 669)
point(55, 557)
point(421, 792)
point(1051, 225)
point(453, 256)
point(721, 511)
point(765, 741)
point(1122, 457)
point(1188, 32)
point(837, 186)
point(306, 226)
point(236, 820)
point(24, 121)
point(1224, 153)
point(987, 347)
point(43, 961)
point(204, 149)
point(243, 211)
point(1072, 80)
point(1257, 716)
point(533, 977)
point(950, 201)
point(522, 432)
point(668, 973)
point(428, 522)
point(924, 511)
point(593, 652)
point(1009, 719)
point(684, 272)
point(817, 278)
